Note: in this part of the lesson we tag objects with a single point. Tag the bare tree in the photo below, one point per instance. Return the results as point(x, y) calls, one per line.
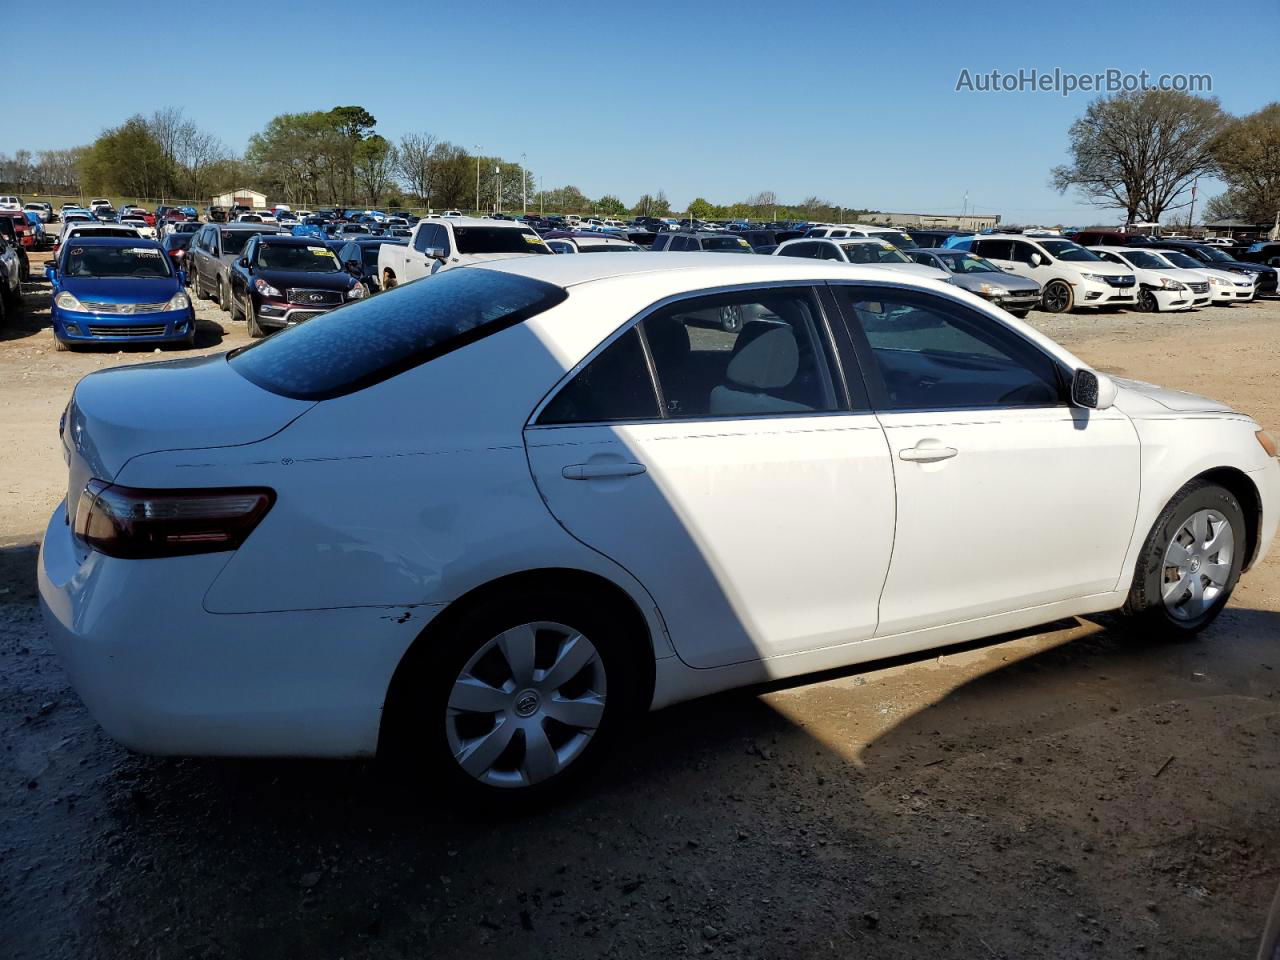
point(166, 125)
point(416, 163)
point(1139, 152)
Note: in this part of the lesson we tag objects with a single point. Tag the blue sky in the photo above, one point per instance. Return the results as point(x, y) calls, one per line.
point(852, 102)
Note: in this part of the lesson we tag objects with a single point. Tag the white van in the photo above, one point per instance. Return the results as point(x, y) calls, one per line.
point(1069, 275)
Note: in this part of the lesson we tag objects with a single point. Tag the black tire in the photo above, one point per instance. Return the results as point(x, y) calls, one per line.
point(418, 715)
point(1147, 302)
point(61, 346)
point(388, 280)
point(237, 309)
point(199, 287)
point(251, 315)
point(1020, 314)
point(731, 318)
point(1145, 603)
point(224, 297)
point(1058, 297)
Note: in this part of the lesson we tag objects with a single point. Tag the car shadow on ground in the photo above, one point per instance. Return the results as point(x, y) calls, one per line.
point(1015, 797)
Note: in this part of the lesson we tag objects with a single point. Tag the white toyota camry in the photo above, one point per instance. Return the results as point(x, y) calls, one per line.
point(483, 518)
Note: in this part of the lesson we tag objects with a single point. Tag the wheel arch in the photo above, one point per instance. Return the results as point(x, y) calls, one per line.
point(1246, 491)
point(590, 584)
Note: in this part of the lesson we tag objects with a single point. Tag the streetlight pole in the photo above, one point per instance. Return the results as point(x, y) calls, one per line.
point(524, 186)
point(497, 188)
point(477, 179)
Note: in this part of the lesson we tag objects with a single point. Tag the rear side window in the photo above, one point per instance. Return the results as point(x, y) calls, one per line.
point(614, 386)
point(371, 340)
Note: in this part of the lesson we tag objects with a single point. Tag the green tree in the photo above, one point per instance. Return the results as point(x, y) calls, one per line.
point(1247, 154)
point(702, 209)
point(128, 160)
point(611, 206)
point(375, 163)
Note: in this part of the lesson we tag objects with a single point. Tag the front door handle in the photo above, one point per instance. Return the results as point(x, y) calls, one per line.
point(927, 452)
point(595, 471)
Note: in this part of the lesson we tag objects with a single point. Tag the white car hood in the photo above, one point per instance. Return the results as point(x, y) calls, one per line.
point(1137, 398)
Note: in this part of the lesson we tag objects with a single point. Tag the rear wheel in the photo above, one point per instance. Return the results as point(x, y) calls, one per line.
point(1057, 297)
point(1190, 562)
point(198, 284)
point(731, 318)
point(520, 698)
point(224, 297)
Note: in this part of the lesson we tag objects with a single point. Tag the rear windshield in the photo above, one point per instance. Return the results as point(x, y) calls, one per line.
point(731, 244)
point(86, 261)
point(368, 341)
point(233, 241)
point(498, 240)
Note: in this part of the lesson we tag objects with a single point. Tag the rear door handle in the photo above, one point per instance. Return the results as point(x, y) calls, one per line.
point(925, 452)
point(595, 471)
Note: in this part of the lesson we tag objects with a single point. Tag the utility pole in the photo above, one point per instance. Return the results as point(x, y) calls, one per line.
point(1192, 209)
point(497, 188)
point(477, 180)
point(524, 186)
point(542, 199)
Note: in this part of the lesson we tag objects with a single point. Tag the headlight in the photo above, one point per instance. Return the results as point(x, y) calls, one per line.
point(1218, 282)
point(1167, 284)
point(266, 289)
point(356, 292)
point(1095, 277)
point(67, 302)
point(179, 301)
point(991, 290)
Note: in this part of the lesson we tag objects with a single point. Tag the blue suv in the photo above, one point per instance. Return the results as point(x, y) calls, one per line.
point(118, 290)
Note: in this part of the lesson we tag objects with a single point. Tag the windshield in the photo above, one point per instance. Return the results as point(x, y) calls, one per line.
point(1144, 260)
point(1182, 260)
point(498, 240)
point(280, 256)
point(897, 239)
point(967, 263)
point(371, 340)
point(1217, 256)
point(604, 247)
point(86, 261)
point(873, 253)
point(726, 244)
point(1066, 250)
point(233, 241)
point(177, 241)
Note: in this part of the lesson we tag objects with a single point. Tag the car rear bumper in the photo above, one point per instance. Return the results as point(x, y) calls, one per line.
point(162, 675)
point(165, 327)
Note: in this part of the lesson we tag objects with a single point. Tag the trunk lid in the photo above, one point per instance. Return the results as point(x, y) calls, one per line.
point(188, 404)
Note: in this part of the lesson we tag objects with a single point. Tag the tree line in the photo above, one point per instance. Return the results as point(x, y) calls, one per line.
point(334, 157)
point(1142, 152)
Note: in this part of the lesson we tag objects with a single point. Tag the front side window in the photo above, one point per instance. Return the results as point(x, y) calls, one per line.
point(1068, 251)
point(498, 240)
point(746, 353)
point(931, 353)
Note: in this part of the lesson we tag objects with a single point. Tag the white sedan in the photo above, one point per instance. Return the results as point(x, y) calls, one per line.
point(1161, 286)
point(481, 519)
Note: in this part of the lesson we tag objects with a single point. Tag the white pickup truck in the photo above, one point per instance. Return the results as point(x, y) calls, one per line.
point(439, 244)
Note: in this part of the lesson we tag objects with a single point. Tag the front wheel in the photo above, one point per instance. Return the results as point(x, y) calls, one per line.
point(520, 698)
point(251, 315)
point(1057, 297)
point(731, 318)
point(1190, 562)
point(1147, 302)
point(1020, 314)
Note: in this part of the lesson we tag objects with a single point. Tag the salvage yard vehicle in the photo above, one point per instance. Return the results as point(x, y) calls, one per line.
point(284, 280)
point(969, 272)
point(1069, 275)
point(8, 231)
point(1225, 287)
point(436, 245)
point(11, 272)
point(585, 241)
point(118, 290)
point(859, 250)
point(339, 555)
point(1217, 259)
point(687, 241)
point(1161, 286)
point(360, 257)
point(213, 248)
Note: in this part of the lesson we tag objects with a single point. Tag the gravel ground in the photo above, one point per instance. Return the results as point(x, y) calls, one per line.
point(1073, 791)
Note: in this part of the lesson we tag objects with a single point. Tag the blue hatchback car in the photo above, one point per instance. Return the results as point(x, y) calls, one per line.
point(118, 290)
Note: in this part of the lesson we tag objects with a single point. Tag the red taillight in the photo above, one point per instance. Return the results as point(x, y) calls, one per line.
point(136, 524)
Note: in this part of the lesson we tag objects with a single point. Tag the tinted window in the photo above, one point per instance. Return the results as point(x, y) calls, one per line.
point(728, 244)
point(802, 250)
point(747, 353)
point(1022, 252)
point(233, 241)
point(498, 240)
point(613, 386)
point(371, 340)
point(994, 249)
point(934, 354)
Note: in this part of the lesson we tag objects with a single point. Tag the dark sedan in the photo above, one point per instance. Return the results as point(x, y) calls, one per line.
point(360, 257)
point(282, 280)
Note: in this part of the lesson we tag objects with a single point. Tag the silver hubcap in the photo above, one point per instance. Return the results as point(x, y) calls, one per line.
point(526, 704)
point(1197, 564)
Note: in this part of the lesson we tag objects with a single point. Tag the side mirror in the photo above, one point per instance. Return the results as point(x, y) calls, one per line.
point(51, 273)
point(434, 253)
point(1092, 390)
point(243, 261)
point(182, 277)
point(1036, 259)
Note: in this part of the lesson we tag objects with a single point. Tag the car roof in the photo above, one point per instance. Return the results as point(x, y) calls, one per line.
point(731, 268)
point(250, 225)
point(481, 222)
point(117, 242)
point(292, 240)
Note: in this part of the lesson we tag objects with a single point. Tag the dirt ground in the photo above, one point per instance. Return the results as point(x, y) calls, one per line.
point(1074, 791)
